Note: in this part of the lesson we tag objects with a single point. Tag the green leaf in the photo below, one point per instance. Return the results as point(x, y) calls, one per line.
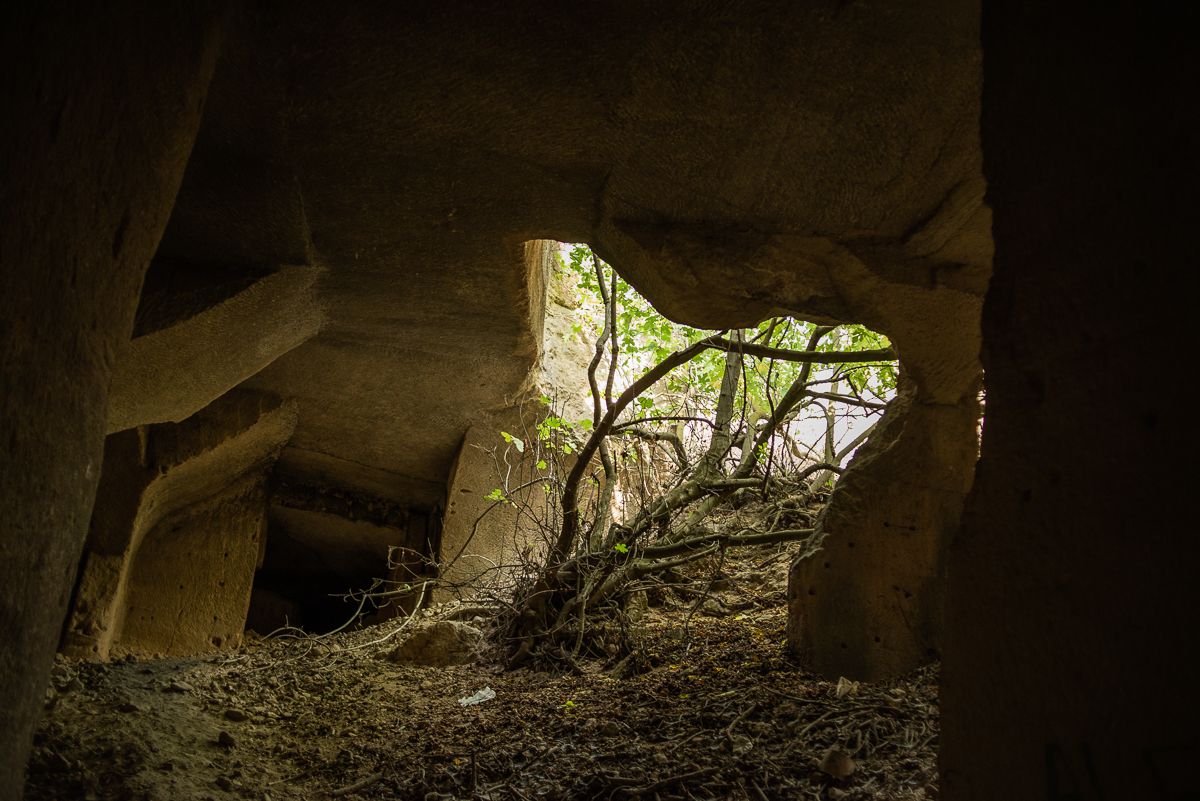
point(541, 465)
point(621, 547)
point(496, 495)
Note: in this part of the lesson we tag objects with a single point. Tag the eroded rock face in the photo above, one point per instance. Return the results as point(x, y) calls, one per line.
point(108, 108)
point(1074, 577)
point(169, 374)
point(189, 497)
point(188, 586)
point(870, 604)
point(720, 167)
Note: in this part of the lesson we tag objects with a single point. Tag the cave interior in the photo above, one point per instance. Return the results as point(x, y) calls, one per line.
point(267, 274)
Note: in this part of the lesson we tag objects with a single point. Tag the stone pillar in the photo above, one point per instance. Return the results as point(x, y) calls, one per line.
point(869, 604)
point(1073, 605)
point(478, 535)
point(101, 110)
point(175, 371)
point(188, 588)
point(167, 476)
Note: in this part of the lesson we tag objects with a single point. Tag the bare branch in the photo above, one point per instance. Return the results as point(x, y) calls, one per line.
point(848, 400)
point(570, 494)
point(809, 356)
point(743, 538)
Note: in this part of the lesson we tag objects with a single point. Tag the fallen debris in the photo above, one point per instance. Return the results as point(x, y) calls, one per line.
point(719, 711)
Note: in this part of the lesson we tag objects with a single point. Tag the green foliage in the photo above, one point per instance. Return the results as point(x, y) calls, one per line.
point(646, 337)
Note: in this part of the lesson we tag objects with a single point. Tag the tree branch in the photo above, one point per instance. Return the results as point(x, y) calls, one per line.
point(570, 494)
point(660, 436)
point(810, 356)
point(743, 538)
point(848, 400)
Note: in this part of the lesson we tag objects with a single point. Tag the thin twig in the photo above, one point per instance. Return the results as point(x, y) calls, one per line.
point(361, 784)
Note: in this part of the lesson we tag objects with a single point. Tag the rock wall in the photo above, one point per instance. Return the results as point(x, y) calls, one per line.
point(174, 371)
point(1073, 605)
point(481, 539)
point(86, 100)
point(478, 535)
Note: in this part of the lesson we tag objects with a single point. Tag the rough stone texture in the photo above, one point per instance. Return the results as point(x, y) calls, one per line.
point(100, 117)
point(188, 587)
point(469, 551)
point(158, 471)
point(812, 158)
point(869, 604)
point(473, 543)
point(720, 155)
point(1073, 603)
point(173, 372)
point(446, 642)
point(566, 353)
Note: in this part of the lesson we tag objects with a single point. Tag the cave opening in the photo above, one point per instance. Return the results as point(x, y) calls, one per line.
point(322, 572)
point(652, 433)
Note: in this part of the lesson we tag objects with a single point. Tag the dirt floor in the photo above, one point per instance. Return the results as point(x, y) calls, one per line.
point(710, 707)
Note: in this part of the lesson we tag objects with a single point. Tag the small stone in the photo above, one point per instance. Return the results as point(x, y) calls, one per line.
point(610, 729)
point(129, 707)
point(225, 740)
point(442, 643)
point(236, 715)
point(179, 687)
point(837, 763)
point(224, 783)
